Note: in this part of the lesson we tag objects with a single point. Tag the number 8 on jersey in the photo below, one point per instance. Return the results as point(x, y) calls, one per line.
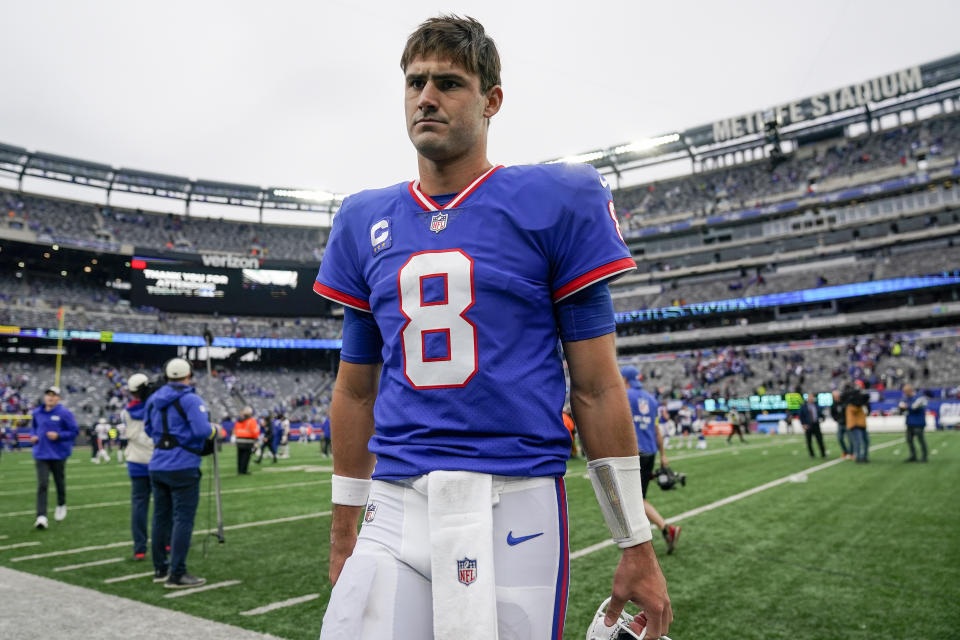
point(439, 343)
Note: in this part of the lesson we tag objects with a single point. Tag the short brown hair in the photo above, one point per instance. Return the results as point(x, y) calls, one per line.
point(462, 40)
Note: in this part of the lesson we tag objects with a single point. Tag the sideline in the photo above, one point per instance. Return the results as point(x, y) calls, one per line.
point(244, 525)
point(64, 610)
point(730, 499)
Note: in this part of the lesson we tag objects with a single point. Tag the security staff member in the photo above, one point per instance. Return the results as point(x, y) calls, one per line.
point(177, 422)
point(246, 432)
point(52, 432)
point(810, 418)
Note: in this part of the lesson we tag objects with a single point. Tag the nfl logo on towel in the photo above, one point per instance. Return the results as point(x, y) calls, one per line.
point(467, 571)
point(438, 223)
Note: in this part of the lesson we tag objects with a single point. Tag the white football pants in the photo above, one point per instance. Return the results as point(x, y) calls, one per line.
point(384, 591)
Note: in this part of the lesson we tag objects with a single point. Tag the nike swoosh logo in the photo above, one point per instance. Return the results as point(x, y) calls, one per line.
point(515, 541)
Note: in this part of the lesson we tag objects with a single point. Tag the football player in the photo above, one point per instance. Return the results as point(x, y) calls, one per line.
point(456, 288)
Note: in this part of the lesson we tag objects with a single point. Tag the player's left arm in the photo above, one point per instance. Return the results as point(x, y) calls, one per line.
point(602, 413)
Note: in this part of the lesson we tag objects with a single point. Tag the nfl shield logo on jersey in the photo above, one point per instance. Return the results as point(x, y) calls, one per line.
point(467, 571)
point(438, 222)
point(371, 512)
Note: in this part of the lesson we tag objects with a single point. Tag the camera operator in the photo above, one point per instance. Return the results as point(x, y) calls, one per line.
point(177, 421)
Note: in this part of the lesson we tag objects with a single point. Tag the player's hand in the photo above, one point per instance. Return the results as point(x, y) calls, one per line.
point(34, 439)
point(663, 461)
point(638, 579)
point(343, 537)
point(53, 435)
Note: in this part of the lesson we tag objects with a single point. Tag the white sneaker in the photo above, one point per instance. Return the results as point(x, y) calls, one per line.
point(41, 522)
point(60, 512)
point(95, 460)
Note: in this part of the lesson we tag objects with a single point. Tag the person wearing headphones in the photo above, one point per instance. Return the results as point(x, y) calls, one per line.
point(139, 452)
point(177, 422)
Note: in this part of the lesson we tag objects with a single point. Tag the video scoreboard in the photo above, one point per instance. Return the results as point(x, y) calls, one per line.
point(193, 287)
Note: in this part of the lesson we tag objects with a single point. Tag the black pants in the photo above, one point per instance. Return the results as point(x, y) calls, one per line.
point(44, 467)
point(268, 445)
point(916, 432)
point(813, 431)
point(325, 446)
point(736, 430)
point(244, 451)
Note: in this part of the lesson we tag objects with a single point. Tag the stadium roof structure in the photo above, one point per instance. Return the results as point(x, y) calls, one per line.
point(830, 111)
point(21, 163)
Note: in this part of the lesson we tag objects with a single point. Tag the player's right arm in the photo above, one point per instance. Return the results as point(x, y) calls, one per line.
point(351, 426)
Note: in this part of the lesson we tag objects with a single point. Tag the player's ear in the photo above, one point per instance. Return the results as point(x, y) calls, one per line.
point(494, 100)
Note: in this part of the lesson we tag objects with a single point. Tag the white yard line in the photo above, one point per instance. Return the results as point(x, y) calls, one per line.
point(95, 563)
point(132, 576)
point(18, 545)
point(280, 605)
point(4, 537)
point(730, 499)
point(206, 587)
point(120, 503)
point(53, 554)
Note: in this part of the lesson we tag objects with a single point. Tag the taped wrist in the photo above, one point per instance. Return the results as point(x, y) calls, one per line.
point(619, 488)
point(351, 492)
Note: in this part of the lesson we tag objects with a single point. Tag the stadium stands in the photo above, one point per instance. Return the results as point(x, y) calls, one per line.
point(880, 360)
point(64, 219)
point(96, 389)
point(753, 184)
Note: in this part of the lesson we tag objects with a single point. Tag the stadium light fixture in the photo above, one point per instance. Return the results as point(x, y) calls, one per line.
point(87, 269)
point(581, 157)
point(647, 144)
point(63, 273)
point(56, 247)
point(21, 264)
point(308, 194)
point(46, 254)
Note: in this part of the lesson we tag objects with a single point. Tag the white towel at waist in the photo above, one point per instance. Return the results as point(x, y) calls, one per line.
point(460, 508)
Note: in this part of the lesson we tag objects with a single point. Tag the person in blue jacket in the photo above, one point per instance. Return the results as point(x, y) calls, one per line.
point(52, 432)
point(176, 420)
point(915, 406)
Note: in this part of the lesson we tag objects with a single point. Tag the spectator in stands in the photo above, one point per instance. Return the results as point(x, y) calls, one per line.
point(53, 430)
point(810, 419)
point(176, 420)
point(246, 432)
point(915, 406)
point(839, 414)
point(139, 452)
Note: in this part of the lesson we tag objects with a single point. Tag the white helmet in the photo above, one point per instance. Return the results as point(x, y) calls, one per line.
point(136, 381)
point(177, 369)
point(621, 628)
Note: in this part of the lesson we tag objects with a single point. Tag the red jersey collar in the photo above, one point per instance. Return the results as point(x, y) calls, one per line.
point(428, 203)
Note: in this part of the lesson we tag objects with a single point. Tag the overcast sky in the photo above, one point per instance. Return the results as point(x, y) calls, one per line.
point(309, 94)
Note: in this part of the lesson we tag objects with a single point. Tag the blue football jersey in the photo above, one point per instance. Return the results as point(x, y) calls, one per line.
point(463, 296)
point(644, 406)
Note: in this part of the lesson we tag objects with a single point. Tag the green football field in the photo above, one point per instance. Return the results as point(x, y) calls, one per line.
point(774, 544)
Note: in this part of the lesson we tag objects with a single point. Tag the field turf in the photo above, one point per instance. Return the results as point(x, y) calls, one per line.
point(843, 551)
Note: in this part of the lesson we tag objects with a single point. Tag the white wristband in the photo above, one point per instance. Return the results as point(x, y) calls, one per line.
point(351, 492)
point(619, 488)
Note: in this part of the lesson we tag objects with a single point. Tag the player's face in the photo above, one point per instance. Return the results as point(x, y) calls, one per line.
point(446, 111)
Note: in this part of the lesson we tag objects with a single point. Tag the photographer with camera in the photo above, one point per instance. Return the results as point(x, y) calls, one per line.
point(856, 403)
point(643, 406)
point(139, 452)
point(177, 421)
